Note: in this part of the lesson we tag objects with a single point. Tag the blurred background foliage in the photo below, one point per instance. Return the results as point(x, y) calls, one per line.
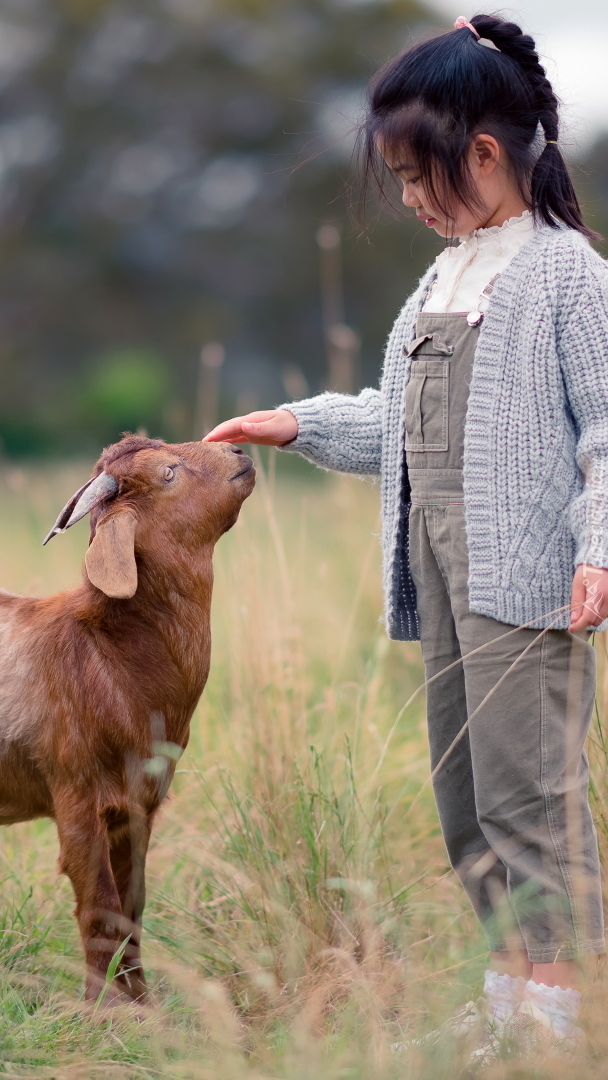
point(165, 166)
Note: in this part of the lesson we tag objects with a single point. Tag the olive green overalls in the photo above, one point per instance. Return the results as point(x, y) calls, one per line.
point(511, 791)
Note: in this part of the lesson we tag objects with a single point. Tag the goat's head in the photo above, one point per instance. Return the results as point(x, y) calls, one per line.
point(150, 498)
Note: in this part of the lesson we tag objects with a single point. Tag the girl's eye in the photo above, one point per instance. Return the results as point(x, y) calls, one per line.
point(413, 180)
point(169, 473)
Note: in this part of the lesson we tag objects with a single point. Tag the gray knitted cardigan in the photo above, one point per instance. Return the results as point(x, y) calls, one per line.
point(535, 469)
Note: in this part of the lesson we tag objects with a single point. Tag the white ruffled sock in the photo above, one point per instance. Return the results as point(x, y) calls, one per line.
point(561, 1007)
point(503, 993)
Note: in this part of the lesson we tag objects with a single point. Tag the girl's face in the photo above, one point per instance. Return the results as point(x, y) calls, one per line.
point(415, 195)
point(499, 197)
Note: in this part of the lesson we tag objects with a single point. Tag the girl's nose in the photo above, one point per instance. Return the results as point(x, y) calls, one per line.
point(409, 198)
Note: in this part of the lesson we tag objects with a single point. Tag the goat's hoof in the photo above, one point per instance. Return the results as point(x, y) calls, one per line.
point(100, 1001)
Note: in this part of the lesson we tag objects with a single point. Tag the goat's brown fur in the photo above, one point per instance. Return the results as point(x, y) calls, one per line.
point(89, 683)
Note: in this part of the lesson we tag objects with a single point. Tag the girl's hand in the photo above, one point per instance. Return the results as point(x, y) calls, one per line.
point(271, 427)
point(589, 604)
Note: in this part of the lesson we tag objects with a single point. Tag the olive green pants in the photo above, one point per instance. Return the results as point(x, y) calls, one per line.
point(512, 789)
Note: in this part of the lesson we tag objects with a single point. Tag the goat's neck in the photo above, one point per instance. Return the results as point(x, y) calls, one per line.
point(163, 632)
point(182, 590)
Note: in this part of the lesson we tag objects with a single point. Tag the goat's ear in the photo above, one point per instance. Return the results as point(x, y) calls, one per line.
point(110, 559)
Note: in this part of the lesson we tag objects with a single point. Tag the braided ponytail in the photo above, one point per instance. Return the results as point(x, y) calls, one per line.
point(552, 190)
point(434, 98)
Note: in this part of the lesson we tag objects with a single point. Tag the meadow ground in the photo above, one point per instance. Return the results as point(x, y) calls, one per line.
point(301, 914)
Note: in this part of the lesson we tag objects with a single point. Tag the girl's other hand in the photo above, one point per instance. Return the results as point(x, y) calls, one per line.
point(589, 604)
point(271, 427)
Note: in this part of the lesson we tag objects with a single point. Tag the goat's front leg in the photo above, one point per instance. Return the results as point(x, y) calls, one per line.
point(128, 850)
point(85, 858)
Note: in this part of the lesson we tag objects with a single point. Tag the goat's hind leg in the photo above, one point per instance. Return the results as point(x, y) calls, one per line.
point(128, 850)
point(85, 858)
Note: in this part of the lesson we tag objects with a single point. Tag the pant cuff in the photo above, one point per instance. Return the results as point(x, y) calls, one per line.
point(550, 954)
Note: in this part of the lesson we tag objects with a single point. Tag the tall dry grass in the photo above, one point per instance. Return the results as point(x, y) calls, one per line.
point(301, 915)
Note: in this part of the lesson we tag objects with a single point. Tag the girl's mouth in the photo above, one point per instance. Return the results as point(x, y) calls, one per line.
point(428, 221)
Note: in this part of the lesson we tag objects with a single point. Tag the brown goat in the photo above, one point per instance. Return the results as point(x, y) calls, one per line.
point(98, 685)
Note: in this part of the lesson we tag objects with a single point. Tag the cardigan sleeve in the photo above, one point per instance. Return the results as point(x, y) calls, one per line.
point(340, 431)
point(584, 362)
point(344, 431)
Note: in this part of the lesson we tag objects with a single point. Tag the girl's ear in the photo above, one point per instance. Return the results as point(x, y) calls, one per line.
point(485, 153)
point(110, 559)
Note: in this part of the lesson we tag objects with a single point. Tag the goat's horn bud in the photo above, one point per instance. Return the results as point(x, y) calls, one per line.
point(87, 497)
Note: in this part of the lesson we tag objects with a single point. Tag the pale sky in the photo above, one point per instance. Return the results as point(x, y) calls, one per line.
point(573, 40)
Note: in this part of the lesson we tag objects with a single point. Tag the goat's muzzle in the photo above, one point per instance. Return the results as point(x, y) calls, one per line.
point(249, 468)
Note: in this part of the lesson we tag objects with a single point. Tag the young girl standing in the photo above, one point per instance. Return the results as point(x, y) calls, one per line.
point(490, 433)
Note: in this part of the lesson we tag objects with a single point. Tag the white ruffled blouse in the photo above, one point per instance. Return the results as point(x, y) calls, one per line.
point(464, 271)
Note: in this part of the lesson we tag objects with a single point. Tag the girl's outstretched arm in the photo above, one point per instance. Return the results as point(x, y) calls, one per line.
point(335, 431)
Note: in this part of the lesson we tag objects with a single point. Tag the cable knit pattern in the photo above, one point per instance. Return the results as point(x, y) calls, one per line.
point(536, 438)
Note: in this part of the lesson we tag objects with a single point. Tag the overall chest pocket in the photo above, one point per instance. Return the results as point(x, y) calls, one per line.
point(426, 404)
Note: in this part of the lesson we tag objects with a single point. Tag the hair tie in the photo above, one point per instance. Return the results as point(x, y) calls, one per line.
point(551, 142)
point(462, 22)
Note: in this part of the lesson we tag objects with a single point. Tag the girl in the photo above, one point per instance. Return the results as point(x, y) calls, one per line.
point(490, 433)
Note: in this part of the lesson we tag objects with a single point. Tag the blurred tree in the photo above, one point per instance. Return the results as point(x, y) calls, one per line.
point(126, 390)
point(150, 199)
point(165, 166)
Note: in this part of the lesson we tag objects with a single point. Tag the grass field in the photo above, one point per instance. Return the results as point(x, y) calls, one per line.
point(301, 914)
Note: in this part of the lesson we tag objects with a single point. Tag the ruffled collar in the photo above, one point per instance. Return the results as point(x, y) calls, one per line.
point(495, 230)
point(498, 242)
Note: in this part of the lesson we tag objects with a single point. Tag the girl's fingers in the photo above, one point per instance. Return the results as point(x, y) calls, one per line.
point(229, 431)
point(579, 593)
point(270, 427)
point(584, 619)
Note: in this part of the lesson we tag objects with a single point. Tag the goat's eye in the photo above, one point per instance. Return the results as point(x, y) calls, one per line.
point(168, 473)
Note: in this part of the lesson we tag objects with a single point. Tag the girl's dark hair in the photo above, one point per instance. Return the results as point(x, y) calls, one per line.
point(432, 100)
